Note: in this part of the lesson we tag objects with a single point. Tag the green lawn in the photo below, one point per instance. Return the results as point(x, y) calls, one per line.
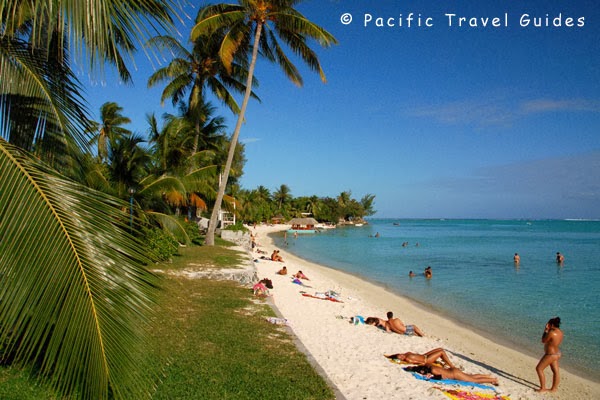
point(211, 341)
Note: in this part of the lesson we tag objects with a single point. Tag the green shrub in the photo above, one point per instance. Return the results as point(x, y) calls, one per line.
point(238, 226)
point(193, 232)
point(160, 243)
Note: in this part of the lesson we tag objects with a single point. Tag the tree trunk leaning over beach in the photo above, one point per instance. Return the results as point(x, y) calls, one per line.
point(290, 25)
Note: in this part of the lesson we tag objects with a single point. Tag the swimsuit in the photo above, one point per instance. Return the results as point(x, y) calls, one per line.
point(410, 330)
point(554, 354)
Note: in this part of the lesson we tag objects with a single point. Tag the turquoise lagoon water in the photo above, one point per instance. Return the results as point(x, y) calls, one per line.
point(474, 278)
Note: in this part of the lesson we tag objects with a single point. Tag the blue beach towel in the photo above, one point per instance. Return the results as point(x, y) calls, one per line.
point(449, 381)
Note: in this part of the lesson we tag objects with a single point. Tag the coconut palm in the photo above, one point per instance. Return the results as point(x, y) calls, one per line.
point(282, 196)
point(127, 163)
point(245, 23)
point(109, 130)
point(192, 71)
point(367, 204)
point(75, 290)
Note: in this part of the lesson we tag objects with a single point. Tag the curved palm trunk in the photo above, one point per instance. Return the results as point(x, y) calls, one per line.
point(210, 234)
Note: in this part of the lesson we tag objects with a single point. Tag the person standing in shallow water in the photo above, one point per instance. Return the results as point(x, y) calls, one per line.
point(517, 259)
point(552, 338)
point(560, 258)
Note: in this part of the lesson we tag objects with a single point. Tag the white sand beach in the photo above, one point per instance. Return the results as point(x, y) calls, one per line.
point(352, 356)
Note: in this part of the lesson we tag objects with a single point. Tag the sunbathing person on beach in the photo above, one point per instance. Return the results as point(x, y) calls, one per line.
point(275, 256)
point(300, 275)
point(423, 359)
point(438, 373)
point(397, 326)
point(378, 322)
point(282, 271)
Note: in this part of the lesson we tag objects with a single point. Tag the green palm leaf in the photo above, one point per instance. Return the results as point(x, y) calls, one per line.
point(75, 295)
point(171, 225)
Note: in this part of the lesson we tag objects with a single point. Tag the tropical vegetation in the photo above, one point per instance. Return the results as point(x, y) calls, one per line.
point(87, 206)
point(260, 205)
point(242, 26)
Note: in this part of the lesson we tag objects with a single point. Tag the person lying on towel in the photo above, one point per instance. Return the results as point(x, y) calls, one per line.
point(423, 359)
point(438, 373)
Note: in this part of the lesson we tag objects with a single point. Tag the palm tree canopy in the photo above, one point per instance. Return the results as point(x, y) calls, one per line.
point(109, 129)
point(40, 38)
point(192, 71)
point(279, 19)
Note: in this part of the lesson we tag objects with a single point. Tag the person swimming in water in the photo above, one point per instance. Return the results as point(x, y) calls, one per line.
point(552, 338)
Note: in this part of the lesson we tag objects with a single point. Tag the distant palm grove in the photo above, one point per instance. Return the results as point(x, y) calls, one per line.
point(85, 204)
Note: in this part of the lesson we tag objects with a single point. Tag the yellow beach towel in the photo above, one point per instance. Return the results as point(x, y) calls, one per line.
point(463, 395)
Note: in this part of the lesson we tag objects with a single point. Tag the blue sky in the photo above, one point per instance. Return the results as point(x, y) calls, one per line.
point(444, 121)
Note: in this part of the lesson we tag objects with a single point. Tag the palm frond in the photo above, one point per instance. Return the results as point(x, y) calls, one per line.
point(170, 225)
point(80, 295)
point(55, 94)
point(161, 184)
point(289, 69)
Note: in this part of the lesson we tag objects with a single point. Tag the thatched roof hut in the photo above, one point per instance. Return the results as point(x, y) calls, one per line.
point(306, 223)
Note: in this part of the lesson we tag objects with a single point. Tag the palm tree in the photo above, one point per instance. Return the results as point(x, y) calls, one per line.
point(77, 281)
point(191, 71)
point(282, 196)
point(127, 163)
point(245, 24)
point(109, 129)
point(367, 204)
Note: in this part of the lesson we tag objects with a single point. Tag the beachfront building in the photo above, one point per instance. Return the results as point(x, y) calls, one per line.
point(303, 225)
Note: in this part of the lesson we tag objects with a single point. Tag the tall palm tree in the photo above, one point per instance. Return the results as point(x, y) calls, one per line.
point(282, 196)
point(78, 287)
point(245, 23)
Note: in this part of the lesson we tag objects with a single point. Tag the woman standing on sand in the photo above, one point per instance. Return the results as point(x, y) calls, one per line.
point(552, 338)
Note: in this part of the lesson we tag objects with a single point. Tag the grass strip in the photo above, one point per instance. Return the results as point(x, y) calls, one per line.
point(210, 341)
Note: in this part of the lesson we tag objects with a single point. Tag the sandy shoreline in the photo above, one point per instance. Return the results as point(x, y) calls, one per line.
point(352, 356)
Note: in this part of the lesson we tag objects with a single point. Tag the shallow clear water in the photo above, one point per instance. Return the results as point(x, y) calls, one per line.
point(474, 278)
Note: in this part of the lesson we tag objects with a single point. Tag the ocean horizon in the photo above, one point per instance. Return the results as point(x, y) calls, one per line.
point(475, 281)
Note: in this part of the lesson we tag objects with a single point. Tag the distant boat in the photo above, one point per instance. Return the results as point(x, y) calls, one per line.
point(358, 224)
point(397, 223)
